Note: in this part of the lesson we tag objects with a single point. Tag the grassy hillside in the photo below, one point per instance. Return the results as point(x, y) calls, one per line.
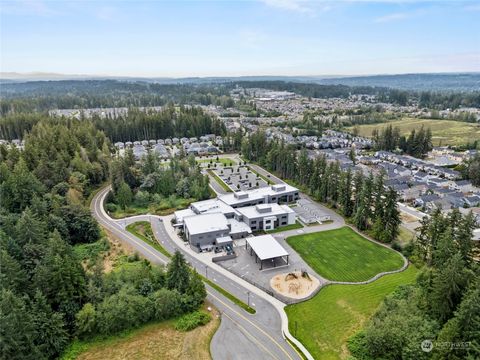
point(325, 322)
point(153, 341)
point(445, 132)
point(344, 255)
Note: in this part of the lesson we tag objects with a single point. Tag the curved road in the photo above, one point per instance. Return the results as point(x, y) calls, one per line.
point(241, 335)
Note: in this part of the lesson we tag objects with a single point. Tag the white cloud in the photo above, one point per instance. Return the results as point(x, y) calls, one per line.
point(28, 7)
point(392, 17)
point(291, 5)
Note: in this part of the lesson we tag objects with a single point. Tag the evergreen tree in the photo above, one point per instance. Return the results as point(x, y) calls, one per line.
point(178, 273)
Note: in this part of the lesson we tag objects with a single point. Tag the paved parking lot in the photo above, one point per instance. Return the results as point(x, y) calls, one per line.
point(245, 267)
point(240, 178)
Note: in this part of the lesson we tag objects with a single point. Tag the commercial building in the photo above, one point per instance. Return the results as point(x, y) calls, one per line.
point(280, 193)
point(207, 230)
point(267, 216)
point(216, 222)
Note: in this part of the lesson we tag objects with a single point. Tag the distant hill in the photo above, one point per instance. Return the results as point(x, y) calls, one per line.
point(451, 82)
point(437, 82)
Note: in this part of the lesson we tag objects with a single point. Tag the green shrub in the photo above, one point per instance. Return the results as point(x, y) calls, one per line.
point(192, 320)
point(111, 207)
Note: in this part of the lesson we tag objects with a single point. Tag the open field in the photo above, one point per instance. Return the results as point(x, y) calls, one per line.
point(344, 255)
point(153, 341)
point(325, 322)
point(445, 132)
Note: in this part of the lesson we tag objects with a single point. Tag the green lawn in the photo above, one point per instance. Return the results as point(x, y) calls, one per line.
point(143, 230)
point(223, 161)
point(344, 255)
point(297, 225)
point(445, 132)
point(325, 322)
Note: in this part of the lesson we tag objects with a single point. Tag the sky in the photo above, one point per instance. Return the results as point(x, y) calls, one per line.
point(233, 38)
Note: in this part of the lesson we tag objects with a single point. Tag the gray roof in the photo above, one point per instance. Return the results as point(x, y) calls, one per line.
point(266, 247)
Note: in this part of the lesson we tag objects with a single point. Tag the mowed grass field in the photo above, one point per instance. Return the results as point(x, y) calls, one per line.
point(444, 132)
point(344, 255)
point(325, 322)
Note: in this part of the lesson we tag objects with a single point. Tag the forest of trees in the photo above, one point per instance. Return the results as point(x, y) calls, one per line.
point(443, 306)
point(136, 125)
point(167, 123)
point(362, 199)
point(150, 181)
point(78, 94)
point(47, 296)
point(417, 144)
point(83, 94)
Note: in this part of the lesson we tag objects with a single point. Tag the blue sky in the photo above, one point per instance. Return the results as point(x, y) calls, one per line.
point(231, 38)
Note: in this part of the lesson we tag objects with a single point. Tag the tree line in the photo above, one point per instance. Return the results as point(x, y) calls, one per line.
point(167, 123)
point(362, 199)
point(135, 125)
point(442, 306)
point(83, 94)
point(417, 144)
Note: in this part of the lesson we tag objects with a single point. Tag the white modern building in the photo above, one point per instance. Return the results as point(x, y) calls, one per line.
point(267, 216)
point(216, 222)
point(280, 193)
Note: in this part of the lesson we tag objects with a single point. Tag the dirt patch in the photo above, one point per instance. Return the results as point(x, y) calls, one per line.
point(294, 285)
point(408, 218)
point(117, 248)
point(158, 341)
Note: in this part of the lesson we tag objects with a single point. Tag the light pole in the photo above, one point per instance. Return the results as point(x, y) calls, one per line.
point(206, 271)
point(248, 298)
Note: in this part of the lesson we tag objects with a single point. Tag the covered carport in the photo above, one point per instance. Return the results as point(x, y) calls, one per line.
point(267, 250)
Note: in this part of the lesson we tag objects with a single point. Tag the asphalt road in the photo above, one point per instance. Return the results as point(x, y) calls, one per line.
point(241, 335)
